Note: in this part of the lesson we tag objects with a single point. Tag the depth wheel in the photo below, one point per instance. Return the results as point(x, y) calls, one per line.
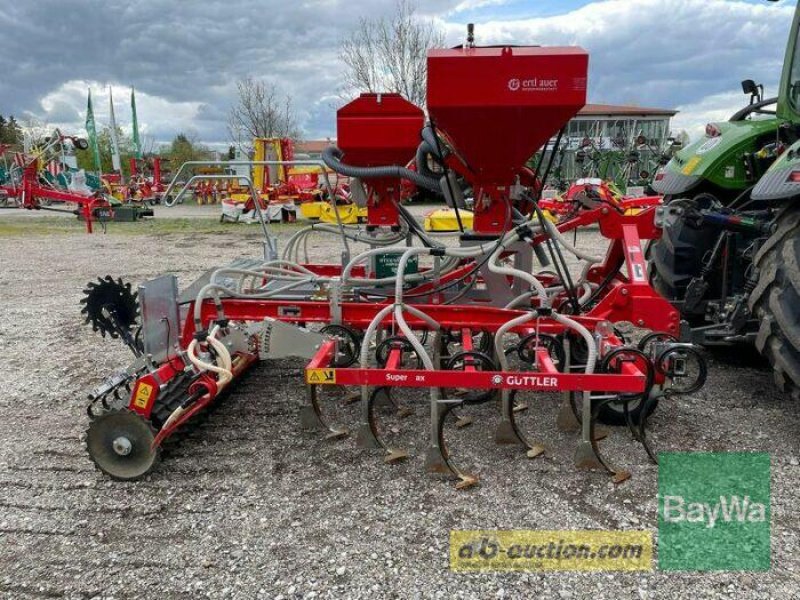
point(119, 445)
point(613, 413)
point(348, 344)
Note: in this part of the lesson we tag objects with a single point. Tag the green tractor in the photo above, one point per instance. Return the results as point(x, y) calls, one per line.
point(729, 256)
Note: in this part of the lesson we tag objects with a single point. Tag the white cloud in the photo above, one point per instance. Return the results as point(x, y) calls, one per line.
point(693, 117)
point(689, 54)
point(157, 116)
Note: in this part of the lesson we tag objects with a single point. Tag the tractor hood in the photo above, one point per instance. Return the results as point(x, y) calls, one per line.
point(782, 179)
point(716, 159)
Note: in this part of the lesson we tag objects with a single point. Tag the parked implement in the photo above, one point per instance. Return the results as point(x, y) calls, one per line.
point(728, 257)
point(466, 324)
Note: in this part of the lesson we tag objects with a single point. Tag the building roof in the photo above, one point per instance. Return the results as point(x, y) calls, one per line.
point(616, 110)
point(313, 146)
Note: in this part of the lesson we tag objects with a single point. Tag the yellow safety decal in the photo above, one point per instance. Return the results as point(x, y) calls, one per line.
point(690, 166)
point(321, 376)
point(143, 393)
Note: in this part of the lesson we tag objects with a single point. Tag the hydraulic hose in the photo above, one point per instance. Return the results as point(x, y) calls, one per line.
point(332, 157)
point(423, 150)
point(429, 138)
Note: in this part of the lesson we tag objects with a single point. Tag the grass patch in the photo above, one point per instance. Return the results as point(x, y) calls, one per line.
point(67, 225)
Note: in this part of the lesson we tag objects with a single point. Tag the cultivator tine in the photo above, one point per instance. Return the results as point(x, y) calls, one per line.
point(311, 417)
point(509, 432)
point(461, 420)
point(368, 436)
point(438, 459)
point(567, 419)
point(639, 430)
point(351, 397)
point(587, 454)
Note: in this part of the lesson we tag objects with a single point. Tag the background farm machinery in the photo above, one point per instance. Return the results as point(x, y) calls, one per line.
point(469, 323)
point(41, 177)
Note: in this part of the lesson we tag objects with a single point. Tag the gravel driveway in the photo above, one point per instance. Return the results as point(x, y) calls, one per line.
point(249, 506)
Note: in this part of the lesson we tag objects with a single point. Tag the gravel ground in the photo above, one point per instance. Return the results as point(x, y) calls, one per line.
point(248, 505)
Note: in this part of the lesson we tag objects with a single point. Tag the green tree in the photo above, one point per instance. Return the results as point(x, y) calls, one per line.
point(10, 131)
point(184, 148)
point(126, 150)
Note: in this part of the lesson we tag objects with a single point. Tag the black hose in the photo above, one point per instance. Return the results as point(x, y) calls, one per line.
point(429, 136)
point(423, 150)
point(332, 156)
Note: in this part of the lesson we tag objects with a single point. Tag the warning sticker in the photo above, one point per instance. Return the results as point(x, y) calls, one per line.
point(690, 166)
point(143, 394)
point(321, 376)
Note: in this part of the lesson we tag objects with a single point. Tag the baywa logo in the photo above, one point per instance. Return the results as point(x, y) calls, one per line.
point(514, 84)
point(714, 511)
point(729, 509)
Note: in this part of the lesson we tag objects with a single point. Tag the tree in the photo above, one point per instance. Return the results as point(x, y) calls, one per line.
point(10, 131)
point(85, 158)
point(261, 111)
point(390, 55)
point(184, 148)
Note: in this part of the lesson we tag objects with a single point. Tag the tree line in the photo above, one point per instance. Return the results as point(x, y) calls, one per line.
point(10, 131)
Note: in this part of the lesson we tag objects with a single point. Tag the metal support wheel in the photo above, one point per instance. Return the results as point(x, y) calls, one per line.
point(348, 344)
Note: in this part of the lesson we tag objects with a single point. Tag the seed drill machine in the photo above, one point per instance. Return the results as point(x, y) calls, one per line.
point(482, 317)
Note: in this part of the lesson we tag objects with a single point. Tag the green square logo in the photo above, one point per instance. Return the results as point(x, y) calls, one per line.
point(714, 511)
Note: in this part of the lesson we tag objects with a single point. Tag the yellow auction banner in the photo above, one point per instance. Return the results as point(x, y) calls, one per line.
point(531, 550)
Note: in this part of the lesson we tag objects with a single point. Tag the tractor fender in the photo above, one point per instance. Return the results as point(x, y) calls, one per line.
point(777, 183)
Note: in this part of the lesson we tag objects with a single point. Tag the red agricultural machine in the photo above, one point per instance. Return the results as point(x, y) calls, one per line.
point(469, 323)
point(38, 194)
point(144, 183)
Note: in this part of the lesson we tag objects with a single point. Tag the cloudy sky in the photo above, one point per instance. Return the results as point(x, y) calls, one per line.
point(184, 57)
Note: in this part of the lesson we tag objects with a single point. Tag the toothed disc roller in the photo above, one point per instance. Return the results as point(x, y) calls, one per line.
point(109, 305)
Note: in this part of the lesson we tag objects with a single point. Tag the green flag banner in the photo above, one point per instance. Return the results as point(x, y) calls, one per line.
point(91, 130)
point(137, 145)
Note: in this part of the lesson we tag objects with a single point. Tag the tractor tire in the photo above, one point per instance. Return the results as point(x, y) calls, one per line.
point(776, 298)
point(677, 257)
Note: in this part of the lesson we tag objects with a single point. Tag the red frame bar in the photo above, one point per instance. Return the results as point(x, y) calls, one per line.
point(528, 380)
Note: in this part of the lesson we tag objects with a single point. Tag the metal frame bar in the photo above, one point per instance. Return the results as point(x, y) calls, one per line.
point(253, 192)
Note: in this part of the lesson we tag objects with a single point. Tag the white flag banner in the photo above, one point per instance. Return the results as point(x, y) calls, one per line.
point(116, 163)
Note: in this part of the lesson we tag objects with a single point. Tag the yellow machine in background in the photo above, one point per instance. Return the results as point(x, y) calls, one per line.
point(350, 214)
point(444, 219)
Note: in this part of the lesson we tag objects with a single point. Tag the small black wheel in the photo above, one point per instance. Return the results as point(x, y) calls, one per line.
point(646, 344)
point(348, 344)
point(482, 341)
point(396, 341)
point(482, 362)
point(613, 412)
point(526, 349)
point(578, 350)
point(684, 366)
